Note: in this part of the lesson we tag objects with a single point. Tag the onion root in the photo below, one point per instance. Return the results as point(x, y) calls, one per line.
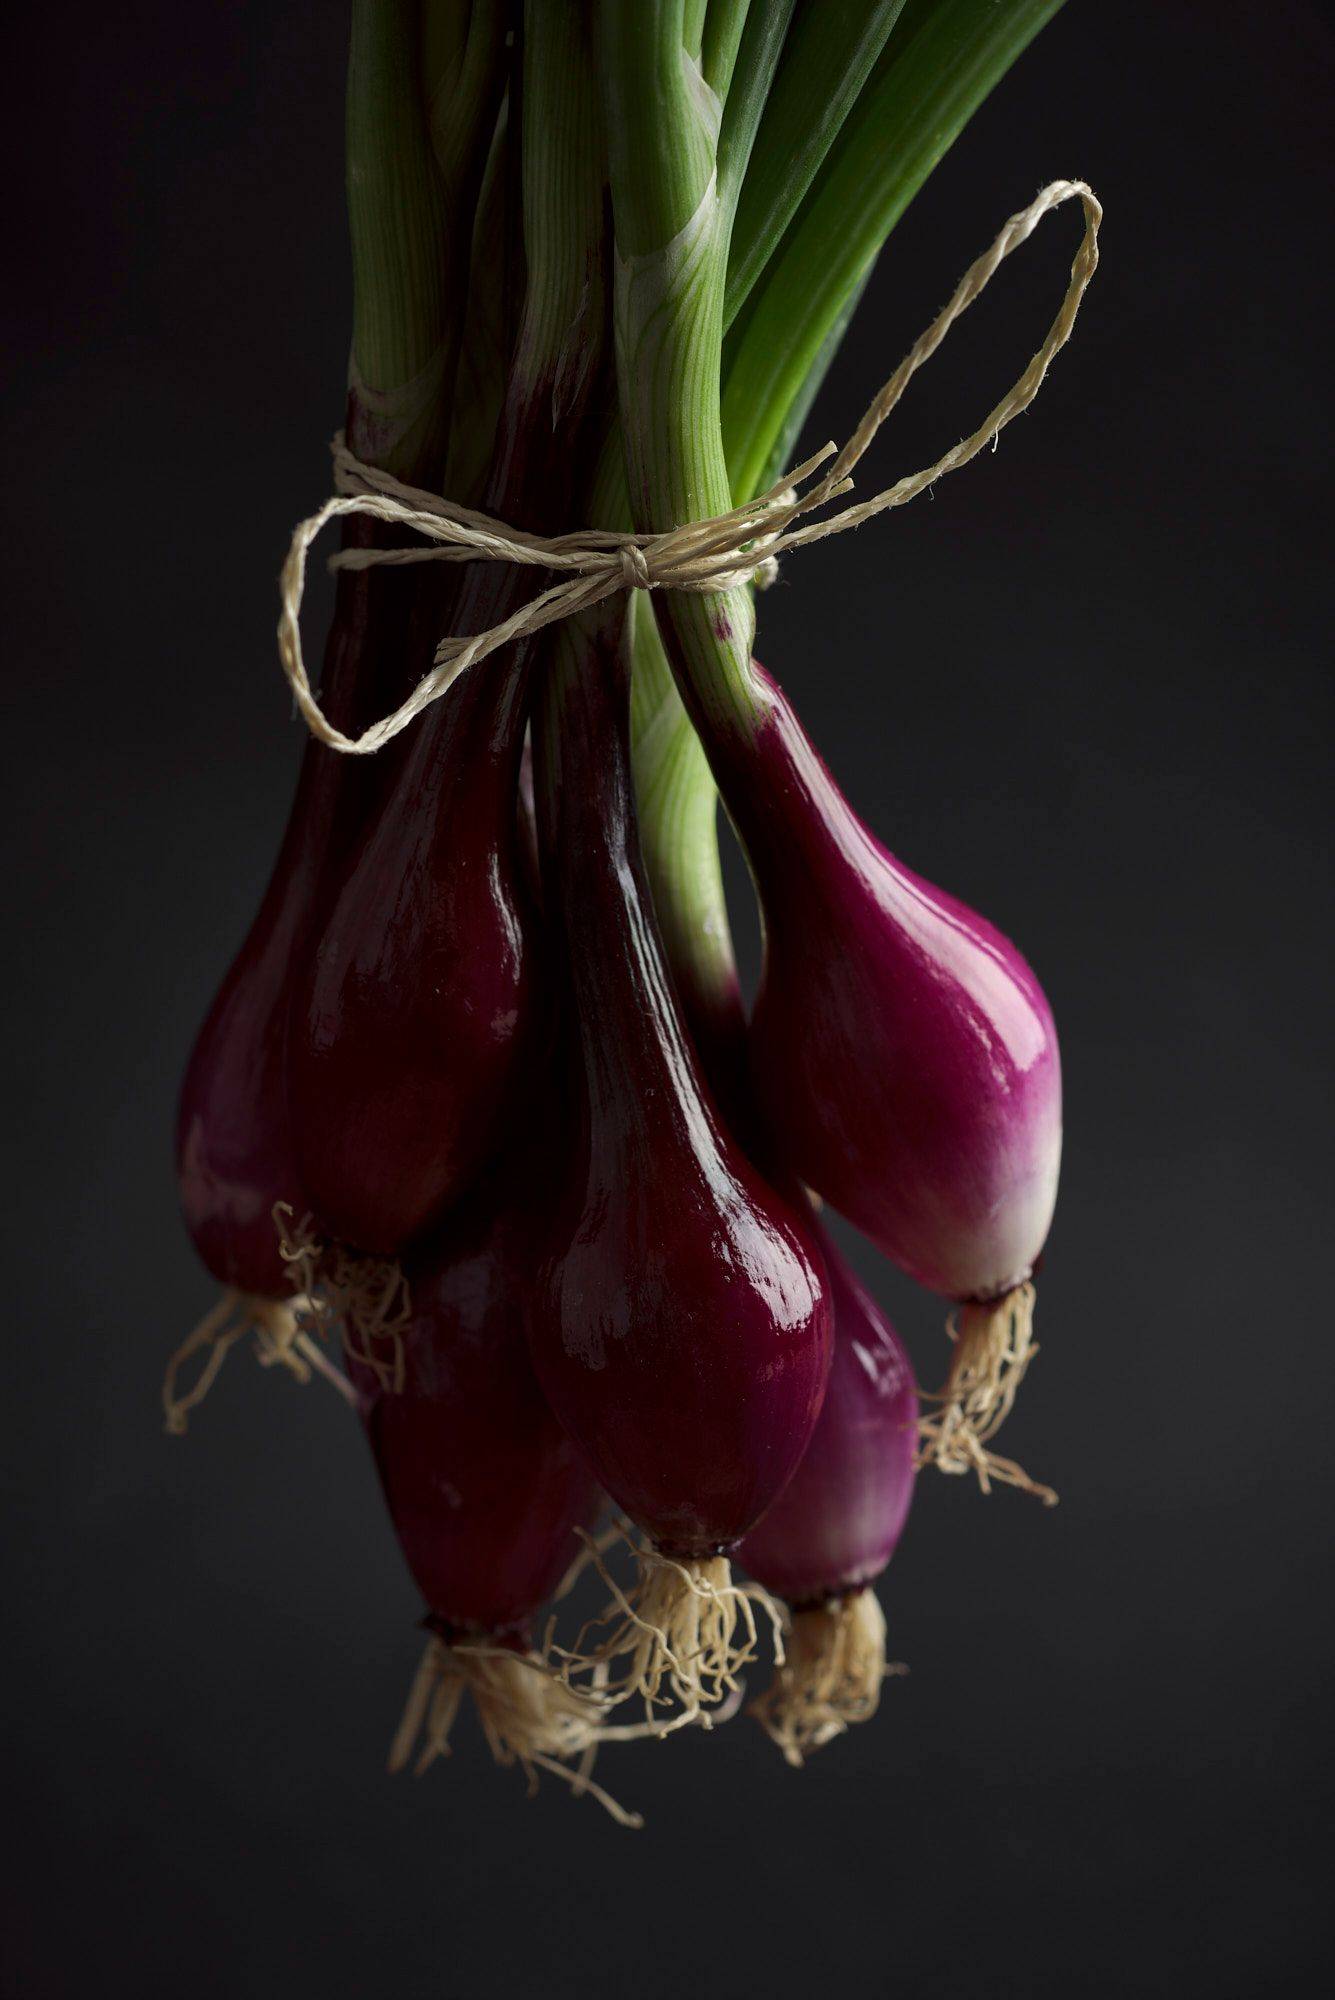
point(528, 1712)
point(365, 1298)
point(831, 1676)
point(994, 1345)
point(282, 1339)
point(680, 1638)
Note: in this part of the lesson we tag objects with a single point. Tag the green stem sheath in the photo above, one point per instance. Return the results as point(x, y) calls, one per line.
point(424, 86)
point(397, 224)
point(942, 61)
point(672, 225)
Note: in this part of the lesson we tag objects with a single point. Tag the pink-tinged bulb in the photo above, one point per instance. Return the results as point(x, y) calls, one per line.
point(484, 1487)
point(837, 1523)
point(682, 1331)
point(901, 1051)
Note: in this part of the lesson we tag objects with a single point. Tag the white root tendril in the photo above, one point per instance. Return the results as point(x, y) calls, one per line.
point(281, 1340)
point(590, 1548)
point(684, 1632)
point(529, 1714)
point(994, 1345)
point(831, 1677)
point(364, 1299)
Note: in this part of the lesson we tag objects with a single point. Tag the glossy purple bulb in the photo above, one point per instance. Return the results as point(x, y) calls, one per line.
point(682, 1331)
point(484, 1487)
point(234, 1156)
point(235, 1151)
point(838, 1521)
point(901, 1051)
point(421, 1003)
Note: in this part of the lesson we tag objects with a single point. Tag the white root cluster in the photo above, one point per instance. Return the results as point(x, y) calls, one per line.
point(678, 1640)
point(528, 1712)
point(830, 1678)
point(362, 1302)
point(283, 1339)
point(994, 1345)
point(365, 1300)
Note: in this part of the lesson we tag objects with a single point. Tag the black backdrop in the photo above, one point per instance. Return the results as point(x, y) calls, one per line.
point(1082, 686)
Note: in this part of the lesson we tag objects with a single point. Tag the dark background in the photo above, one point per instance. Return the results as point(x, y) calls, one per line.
point(1083, 687)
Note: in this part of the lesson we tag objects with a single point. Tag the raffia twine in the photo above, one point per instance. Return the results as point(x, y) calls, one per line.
point(721, 553)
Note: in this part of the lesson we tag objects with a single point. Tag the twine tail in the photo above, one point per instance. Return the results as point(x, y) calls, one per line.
point(994, 1345)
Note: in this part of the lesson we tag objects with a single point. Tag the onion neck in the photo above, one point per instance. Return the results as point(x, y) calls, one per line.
point(797, 828)
point(678, 811)
point(639, 1065)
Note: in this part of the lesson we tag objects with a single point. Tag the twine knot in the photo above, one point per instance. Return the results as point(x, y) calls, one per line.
point(635, 572)
point(724, 553)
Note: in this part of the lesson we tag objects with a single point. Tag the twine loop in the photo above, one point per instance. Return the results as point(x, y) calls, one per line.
point(723, 553)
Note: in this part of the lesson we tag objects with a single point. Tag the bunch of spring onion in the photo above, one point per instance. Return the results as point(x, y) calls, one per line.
point(479, 1091)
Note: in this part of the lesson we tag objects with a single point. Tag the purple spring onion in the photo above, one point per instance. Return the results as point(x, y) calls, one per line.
point(485, 1490)
point(236, 1155)
point(836, 1525)
point(905, 1062)
point(681, 1333)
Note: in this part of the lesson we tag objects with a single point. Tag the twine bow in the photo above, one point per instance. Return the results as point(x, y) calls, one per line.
point(712, 555)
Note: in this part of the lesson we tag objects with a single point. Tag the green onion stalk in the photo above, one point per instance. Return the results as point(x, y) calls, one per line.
point(424, 86)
